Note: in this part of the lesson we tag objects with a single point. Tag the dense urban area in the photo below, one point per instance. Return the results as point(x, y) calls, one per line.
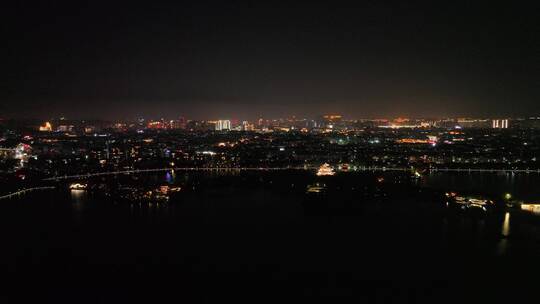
point(32, 149)
point(35, 154)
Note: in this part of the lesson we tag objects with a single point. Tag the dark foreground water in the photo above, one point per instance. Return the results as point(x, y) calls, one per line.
point(260, 238)
point(525, 186)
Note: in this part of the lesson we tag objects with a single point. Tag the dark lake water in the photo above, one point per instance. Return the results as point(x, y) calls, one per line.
point(260, 237)
point(525, 186)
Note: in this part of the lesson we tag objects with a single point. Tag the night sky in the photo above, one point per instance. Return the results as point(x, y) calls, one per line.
point(232, 59)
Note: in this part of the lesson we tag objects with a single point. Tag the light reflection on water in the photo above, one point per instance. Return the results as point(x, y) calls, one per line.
point(491, 231)
point(502, 246)
point(78, 196)
point(506, 225)
point(170, 177)
point(521, 185)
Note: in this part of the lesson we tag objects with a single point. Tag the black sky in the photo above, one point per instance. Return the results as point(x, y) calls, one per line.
point(210, 59)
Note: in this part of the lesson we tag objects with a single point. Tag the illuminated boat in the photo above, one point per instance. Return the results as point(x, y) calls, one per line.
point(531, 207)
point(77, 186)
point(316, 188)
point(469, 203)
point(325, 170)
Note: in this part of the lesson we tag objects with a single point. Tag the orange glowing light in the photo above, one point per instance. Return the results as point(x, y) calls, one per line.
point(413, 141)
point(47, 127)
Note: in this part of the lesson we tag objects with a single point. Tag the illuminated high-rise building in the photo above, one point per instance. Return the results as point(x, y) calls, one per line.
point(473, 123)
point(65, 128)
point(499, 124)
point(223, 125)
point(328, 121)
point(178, 123)
point(246, 126)
point(332, 118)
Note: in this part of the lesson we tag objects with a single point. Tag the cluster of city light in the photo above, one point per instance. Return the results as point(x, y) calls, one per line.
point(212, 153)
point(327, 123)
point(325, 170)
point(222, 125)
point(47, 127)
point(394, 126)
point(531, 207)
point(467, 202)
point(78, 186)
point(413, 141)
point(500, 124)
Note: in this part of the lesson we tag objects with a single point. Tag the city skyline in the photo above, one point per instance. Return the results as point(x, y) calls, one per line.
point(200, 151)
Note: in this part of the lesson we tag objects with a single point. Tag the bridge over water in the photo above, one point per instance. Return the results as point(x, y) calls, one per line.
point(305, 168)
point(206, 169)
point(214, 169)
point(24, 191)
